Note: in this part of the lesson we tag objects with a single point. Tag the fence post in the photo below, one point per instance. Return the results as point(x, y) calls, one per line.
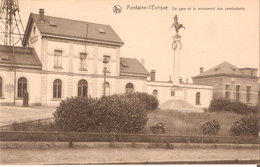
point(202, 139)
point(114, 137)
point(56, 136)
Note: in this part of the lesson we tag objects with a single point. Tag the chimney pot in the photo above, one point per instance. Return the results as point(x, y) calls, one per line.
point(41, 12)
point(201, 70)
point(152, 75)
point(180, 80)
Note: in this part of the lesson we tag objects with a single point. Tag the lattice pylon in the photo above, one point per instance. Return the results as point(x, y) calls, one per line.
point(11, 27)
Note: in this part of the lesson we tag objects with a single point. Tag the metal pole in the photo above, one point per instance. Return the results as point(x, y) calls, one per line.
point(104, 81)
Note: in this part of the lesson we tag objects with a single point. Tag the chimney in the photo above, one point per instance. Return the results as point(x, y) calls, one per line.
point(143, 62)
point(170, 79)
point(201, 70)
point(41, 12)
point(152, 75)
point(187, 81)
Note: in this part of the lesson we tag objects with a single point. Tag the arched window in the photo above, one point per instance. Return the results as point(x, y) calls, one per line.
point(155, 93)
point(83, 88)
point(129, 88)
point(227, 92)
point(22, 87)
point(238, 92)
point(57, 89)
point(107, 88)
point(198, 98)
point(1, 87)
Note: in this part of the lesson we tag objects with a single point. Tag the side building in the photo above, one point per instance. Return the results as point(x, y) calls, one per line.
point(231, 82)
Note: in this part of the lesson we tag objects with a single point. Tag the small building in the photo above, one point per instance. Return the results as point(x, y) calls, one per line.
point(231, 82)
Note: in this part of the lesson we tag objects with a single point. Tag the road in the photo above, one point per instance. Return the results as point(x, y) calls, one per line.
point(121, 155)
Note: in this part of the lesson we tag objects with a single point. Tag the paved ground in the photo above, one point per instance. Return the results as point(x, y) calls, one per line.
point(121, 155)
point(10, 114)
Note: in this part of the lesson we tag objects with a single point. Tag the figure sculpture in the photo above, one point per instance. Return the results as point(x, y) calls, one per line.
point(176, 25)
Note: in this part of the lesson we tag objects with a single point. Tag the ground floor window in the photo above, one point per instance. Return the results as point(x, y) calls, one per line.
point(238, 92)
point(248, 93)
point(198, 98)
point(227, 92)
point(57, 89)
point(129, 88)
point(155, 93)
point(83, 88)
point(22, 87)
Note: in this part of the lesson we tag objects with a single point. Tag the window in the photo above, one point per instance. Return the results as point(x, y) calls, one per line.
point(1, 87)
point(248, 93)
point(155, 93)
point(198, 98)
point(57, 89)
point(83, 88)
point(129, 88)
point(238, 92)
point(22, 87)
point(57, 58)
point(252, 73)
point(172, 93)
point(107, 88)
point(83, 61)
point(227, 93)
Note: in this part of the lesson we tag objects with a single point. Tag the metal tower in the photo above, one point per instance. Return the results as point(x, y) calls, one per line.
point(11, 27)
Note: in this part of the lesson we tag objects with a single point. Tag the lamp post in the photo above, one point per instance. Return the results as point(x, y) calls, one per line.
point(105, 61)
point(232, 82)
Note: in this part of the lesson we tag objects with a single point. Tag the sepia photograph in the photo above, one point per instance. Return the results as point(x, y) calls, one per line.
point(86, 82)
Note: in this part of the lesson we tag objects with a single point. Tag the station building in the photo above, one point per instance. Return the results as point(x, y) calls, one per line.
point(61, 58)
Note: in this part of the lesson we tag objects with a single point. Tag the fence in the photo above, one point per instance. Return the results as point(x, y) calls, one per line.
point(120, 137)
point(16, 126)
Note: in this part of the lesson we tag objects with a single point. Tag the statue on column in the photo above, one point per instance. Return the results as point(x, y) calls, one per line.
point(176, 25)
point(176, 37)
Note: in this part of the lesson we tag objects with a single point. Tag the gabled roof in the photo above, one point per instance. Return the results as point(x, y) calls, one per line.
point(19, 56)
point(132, 66)
point(224, 68)
point(66, 28)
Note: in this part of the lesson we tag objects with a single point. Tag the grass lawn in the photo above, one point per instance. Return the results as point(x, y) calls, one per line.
point(179, 123)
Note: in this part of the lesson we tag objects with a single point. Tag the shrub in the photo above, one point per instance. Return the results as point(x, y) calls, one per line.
point(115, 113)
point(222, 104)
point(119, 113)
point(77, 114)
point(150, 102)
point(248, 125)
point(210, 127)
point(158, 128)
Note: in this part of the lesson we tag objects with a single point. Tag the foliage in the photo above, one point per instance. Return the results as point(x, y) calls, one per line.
point(248, 125)
point(115, 113)
point(210, 127)
point(222, 104)
point(150, 102)
point(158, 128)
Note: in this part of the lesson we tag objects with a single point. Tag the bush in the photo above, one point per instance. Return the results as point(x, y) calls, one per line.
point(119, 113)
point(210, 127)
point(150, 102)
point(115, 113)
point(158, 128)
point(222, 104)
point(248, 125)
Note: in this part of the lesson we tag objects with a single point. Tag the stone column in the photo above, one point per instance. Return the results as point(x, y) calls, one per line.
point(176, 46)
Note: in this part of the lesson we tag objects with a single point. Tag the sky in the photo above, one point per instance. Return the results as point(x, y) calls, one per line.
point(210, 37)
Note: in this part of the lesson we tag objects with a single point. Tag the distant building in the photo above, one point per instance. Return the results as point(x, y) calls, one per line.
point(231, 82)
